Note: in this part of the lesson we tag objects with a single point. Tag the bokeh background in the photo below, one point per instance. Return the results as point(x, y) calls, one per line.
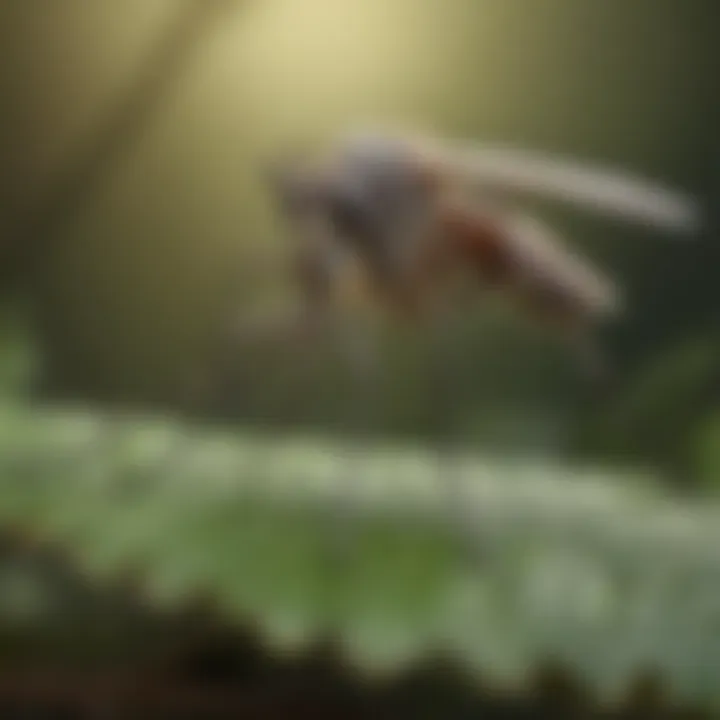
point(132, 135)
point(135, 230)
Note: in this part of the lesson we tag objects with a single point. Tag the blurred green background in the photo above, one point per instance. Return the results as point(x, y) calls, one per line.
point(159, 248)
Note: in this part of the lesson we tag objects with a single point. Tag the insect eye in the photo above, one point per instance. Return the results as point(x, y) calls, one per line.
point(350, 217)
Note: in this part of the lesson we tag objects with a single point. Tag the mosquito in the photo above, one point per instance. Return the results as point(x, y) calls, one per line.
point(399, 217)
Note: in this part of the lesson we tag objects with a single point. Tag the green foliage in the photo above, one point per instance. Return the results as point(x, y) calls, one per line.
point(604, 574)
point(17, 352)
point(706, 456)
point(657, 416)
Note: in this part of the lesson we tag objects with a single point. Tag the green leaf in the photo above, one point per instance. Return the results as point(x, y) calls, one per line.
point(304, 537)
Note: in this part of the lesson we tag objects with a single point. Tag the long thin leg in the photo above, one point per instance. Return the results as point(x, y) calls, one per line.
point(357, 351)
point(274, 328)
point(445, 392)
point(594, 361)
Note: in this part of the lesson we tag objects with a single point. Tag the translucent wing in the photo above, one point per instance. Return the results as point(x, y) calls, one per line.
point(607, 191)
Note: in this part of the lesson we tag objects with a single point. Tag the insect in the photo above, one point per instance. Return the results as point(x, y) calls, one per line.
point(409, 214)
point(402, 219)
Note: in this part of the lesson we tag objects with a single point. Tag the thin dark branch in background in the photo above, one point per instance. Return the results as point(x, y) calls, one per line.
point(29, 241)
